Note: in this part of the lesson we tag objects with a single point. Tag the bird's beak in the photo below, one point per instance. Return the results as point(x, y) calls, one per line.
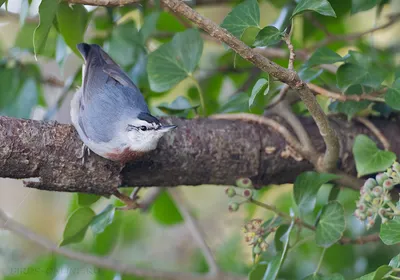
point(166, 128)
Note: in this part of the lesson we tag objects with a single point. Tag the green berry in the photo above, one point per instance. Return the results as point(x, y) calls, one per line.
point(396, 167)
point(257, 250)
point(380, 178)
point(244, 183)
point(388, 184)
point(230, 192)
point(377, 191)
point(367, 197)
point(376, 201)
point(248, 193)
point(370, 183)
point(233, 206)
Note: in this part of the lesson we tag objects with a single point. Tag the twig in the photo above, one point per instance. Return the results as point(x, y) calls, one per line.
point(342, 97)
point(360, 240)
point(195, 230)
point(375, 131)
point(321, 258)
point(107, 263)
point(292, 54)
point(286, 134)
point(149, 197)
point(350, 37)
point(281, 95)
point(283, 110)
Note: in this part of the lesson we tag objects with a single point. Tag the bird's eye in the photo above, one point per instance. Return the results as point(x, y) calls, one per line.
point(143, 128)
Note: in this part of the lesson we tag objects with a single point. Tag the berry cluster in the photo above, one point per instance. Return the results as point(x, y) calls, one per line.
point(242, 189)
point(375, 200)
point(255, 235)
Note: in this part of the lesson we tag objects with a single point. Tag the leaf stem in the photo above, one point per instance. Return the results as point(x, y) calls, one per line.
point(201, 94)
point(320, 262)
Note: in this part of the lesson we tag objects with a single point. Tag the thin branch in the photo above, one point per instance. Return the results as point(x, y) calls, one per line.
point(350, 37)
point(375, 131)
point(283, 110)
point(107, 263)
point(195, 230)
point(328, 162)
point(360, 240)
point(281, 95)
point(342, 97)
point(292, 54)
point(150, 196)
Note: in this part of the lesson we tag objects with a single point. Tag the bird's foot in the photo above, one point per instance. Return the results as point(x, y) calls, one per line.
point(131, 202)
point(85, 149)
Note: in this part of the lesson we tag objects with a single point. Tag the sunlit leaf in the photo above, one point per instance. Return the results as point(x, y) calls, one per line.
point(369, 159)
point(47, 13)
point(322, 7)
point(243, 16)
point(86, 199)
point(77, 225)
point(72, 22)
point(175, 60)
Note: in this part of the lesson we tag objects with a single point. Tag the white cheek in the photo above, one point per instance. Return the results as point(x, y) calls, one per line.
point(143, 141)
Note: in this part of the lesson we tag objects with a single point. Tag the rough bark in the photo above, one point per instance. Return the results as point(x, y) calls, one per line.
point(200, 151)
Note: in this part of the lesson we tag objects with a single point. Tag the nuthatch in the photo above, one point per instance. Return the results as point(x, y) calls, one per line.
point(110, 113)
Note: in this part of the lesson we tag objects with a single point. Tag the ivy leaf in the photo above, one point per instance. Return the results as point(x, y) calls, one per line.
point(47, 13)
point(350, 108)
point(87, 199)
point(392, 97)
point(261, 86)
point(350, 74)
point(174, 61)
point(276, 263)
point(102, 220)
point(77, 225)
point(369, 159)
point(268, 36)
point(72, 22)
point(149, 26)
point(243, 16)
point(331, 224)
point(377, 274)
point(306, 188)
point(362, 5)
point(165, 211)
point(322, 7)
point(395, 261)
point(323, 55)
point(390, 232)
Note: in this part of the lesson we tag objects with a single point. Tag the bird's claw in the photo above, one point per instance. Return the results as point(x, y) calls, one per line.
point(131, 202)
point(85, 149)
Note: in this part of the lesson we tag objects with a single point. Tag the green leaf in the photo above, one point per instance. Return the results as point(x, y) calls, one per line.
point(392, 97)
point(349, 108)
point(377, 274)
point(179, 105)
point(47, 13)
point(72, 23)
point(322, 7)
point(390, 232)
point(77, 225)
point(43, 268)
point(395, 262)
point(350, 74)
point(331, 224)
point(261, 87)
point(243, 16)
point(236, 103)
point(306, 187)
point(87, 199)
point(362, 5)
point(102, 220)
point(106, 241)
point(165, 211)
point(276, 263)
point(174, 61)
point(149, 26)
point(369, 159)
point(258, 271)
point(268, 36)
point(335, 276)
point(323, 55)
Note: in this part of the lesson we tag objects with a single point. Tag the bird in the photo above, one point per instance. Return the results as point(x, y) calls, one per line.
point(110, 113)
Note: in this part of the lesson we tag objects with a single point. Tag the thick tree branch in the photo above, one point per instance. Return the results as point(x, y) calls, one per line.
point(200, 151)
